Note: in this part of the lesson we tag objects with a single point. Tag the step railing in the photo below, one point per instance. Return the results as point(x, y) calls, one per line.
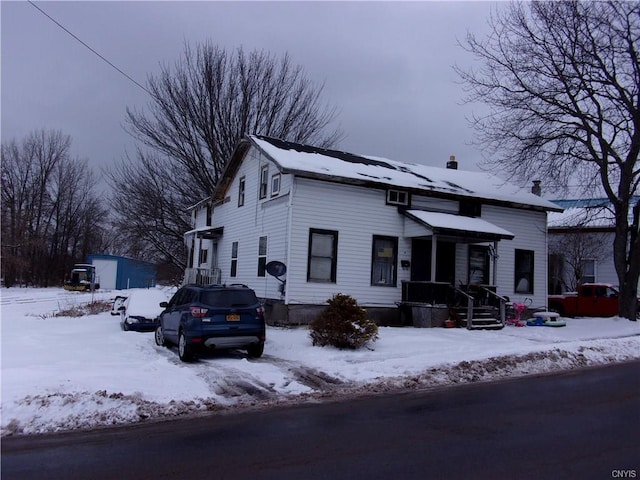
point(470, 301)
point(502, 303)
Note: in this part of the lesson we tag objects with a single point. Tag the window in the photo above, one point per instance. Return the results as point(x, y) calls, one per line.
point(588, 269)
point(241, 188)
point(275, 184)
point(478, 265)
point(262, 256)
point(204, 253)
point(384, 261)
point(209, 212)
point(264, 181)
point(396, 197)
point(323, 255)
point(523, 270)
point(234, 259)
point(469, 208)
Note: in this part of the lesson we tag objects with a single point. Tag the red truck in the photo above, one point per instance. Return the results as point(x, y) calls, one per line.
point(591, 300)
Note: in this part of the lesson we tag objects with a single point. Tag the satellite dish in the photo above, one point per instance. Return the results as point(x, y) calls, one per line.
point(276, 268)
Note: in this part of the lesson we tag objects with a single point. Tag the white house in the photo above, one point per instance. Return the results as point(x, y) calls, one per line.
point(381, 231)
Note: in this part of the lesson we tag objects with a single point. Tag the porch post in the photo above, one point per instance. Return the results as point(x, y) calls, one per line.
point(434, 256)
point(495, 263)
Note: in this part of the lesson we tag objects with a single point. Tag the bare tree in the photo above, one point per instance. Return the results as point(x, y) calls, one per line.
point(199, 110)
point(50, 213)
point(575, 248)
point(151, 200)
point(562, 83)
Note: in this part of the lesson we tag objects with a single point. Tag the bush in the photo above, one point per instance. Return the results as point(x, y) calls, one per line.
point(343, 324)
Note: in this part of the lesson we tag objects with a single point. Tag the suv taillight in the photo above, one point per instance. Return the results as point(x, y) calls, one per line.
point(260, 311)
point(198, 312)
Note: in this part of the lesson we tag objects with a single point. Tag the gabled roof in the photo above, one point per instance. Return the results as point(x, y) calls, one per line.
point(348, 168)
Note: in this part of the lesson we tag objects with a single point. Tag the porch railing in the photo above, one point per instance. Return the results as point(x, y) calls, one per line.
point(202, 276)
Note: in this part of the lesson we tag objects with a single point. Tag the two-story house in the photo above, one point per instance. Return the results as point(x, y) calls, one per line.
point(382, 231)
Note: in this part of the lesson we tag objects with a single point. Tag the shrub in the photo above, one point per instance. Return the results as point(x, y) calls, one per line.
point(343, 324)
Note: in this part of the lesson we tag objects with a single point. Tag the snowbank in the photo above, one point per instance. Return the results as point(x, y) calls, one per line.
point(61, 373)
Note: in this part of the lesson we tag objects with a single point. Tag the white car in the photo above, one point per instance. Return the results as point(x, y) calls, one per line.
point(140, 310)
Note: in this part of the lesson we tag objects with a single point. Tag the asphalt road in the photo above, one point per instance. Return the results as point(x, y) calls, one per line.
point(582, 424)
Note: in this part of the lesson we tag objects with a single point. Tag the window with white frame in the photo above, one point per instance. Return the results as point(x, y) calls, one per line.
point(275, 184)
point(397, 197)
point(323, 256)
point(262, 256)
point(204, 254)
point(264, 181)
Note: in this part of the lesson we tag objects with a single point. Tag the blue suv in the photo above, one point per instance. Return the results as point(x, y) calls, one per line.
point(212, 317)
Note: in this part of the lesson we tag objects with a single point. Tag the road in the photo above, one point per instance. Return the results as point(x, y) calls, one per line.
point(583, 424)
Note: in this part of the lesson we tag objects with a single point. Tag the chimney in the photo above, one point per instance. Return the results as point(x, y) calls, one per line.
point(452, 164)
point(536, 189)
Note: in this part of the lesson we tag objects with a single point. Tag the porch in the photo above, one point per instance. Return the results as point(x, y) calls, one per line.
point(439, 304)
point(202, 276)
point(453, 270)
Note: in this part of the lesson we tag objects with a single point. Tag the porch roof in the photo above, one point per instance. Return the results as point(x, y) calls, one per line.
point(206, 232)
point(457, 225)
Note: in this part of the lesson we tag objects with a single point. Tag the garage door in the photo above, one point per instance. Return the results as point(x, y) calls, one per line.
point(106, 270)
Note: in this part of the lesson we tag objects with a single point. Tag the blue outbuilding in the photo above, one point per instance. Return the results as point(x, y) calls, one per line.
point(119, 273)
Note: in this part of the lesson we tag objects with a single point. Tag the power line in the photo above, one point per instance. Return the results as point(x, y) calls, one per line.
point(90, 49)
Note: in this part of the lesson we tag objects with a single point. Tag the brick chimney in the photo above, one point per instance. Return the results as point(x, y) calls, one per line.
point(452, 163)
point(536, 189)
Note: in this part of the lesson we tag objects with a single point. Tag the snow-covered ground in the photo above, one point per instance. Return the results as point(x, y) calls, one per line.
point(61, 373)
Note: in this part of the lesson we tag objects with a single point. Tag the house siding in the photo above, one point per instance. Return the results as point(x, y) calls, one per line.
point(529, 228)
point(247, 223)
point(357, 214)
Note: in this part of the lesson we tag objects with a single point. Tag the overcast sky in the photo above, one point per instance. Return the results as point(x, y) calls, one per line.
point(386, 66)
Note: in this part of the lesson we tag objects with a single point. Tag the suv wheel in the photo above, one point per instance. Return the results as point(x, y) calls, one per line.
point(159, 336)
point(255, 350)
point(184, 350)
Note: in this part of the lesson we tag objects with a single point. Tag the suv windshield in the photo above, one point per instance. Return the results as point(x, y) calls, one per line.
point(228, 298)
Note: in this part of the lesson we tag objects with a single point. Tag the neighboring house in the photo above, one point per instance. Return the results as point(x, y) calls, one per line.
point(379, 230)
point(581, 244)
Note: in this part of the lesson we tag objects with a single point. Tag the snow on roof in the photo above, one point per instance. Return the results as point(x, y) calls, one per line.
point(342, 166)
point(584, 217)
point(439, 220)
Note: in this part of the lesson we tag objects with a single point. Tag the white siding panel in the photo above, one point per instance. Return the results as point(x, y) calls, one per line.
point(357, 214)
point(246, 224)
point(529, 228)
point(420, 202)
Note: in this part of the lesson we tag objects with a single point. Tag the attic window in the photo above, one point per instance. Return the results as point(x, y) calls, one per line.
point(397, 197)
point(470, 208)
point(275, 184)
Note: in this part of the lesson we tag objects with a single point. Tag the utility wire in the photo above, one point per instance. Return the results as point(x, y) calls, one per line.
point(87, 46)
